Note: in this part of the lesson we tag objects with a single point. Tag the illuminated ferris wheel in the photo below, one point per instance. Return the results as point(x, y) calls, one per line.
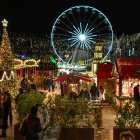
point(77, 31)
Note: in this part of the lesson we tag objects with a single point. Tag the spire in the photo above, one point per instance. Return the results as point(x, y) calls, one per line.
point(5, 50)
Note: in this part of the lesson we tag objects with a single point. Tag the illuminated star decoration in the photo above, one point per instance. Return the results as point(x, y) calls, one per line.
point(82, 37)
point(4, 22)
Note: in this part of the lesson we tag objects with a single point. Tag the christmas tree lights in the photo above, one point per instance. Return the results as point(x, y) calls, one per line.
point(6, 57)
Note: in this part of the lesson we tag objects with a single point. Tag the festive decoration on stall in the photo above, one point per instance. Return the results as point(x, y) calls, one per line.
point(6, 77)
point(18, 63)
point(30, 63)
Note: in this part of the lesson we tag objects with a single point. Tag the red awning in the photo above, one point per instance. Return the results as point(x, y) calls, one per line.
point(104, 70)
point(76, 76)
point(129, 71)
point(128, 67)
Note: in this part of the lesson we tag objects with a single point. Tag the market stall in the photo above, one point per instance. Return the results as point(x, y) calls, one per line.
point(68, 81)
point(129, 74)
point(105, 77)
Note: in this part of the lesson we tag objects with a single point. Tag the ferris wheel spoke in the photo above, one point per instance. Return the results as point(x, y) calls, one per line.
point(70, 59)
point(91, 25)
point(66, 25)
point(78, 45)
point(99, 24)
point(81, 44)
point(69, 20)
point(73, 38)
point(101, 29)
point(90, 39)
point(91, 14)
point(109, 34)
point(62, 29)
point(74, 33)
point(59, 40)
point(85, 15)
point(89, 30)
point(85, 30)
point(74, 42)
point(79, 15)
point(76, 29)
point(88, 44)
point(75, 20)
point(62, 35)
point(81, 30)
point(91, 35)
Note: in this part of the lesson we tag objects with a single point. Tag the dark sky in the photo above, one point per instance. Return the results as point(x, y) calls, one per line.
point(38, 16)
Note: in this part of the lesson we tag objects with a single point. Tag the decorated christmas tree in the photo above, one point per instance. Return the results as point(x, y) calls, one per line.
point(6, 58)
point(6, 53)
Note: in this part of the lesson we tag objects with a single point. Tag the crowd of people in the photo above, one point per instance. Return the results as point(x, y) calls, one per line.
point(6, 98)
point(93, 93)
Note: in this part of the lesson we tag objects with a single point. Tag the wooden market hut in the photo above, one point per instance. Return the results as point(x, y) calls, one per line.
point(72, 79)
point(127, 68)
point(105, 76)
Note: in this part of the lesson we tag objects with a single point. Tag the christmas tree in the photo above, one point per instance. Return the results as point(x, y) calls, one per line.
point(6, 58)
point(5, 51)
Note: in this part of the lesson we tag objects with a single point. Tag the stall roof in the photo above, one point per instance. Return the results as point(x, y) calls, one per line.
point(104, 70)
point(76, 76)
point(128, 67)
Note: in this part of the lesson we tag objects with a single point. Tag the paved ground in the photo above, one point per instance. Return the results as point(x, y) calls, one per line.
point(10, 130)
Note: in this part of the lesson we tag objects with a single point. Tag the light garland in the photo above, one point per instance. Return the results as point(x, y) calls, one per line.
point(18, 63)
point(28, 61)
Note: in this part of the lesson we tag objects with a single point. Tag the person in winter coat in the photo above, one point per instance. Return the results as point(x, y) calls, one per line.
point(84, 93)
point(31, 125)
point(6, 100)
point(73, 95)
point(94, 92)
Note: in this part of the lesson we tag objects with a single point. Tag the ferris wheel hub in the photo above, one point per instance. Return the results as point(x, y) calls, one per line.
point(82, 37)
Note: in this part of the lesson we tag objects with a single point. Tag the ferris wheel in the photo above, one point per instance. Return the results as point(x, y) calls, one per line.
point(77, 31)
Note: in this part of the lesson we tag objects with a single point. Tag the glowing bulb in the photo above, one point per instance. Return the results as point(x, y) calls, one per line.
point(82, 37)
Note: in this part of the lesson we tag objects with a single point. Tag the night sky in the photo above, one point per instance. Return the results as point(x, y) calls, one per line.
point(38, 16)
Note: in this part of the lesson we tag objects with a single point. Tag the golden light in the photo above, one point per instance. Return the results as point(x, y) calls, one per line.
point(30, 63)
point(4, 23)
